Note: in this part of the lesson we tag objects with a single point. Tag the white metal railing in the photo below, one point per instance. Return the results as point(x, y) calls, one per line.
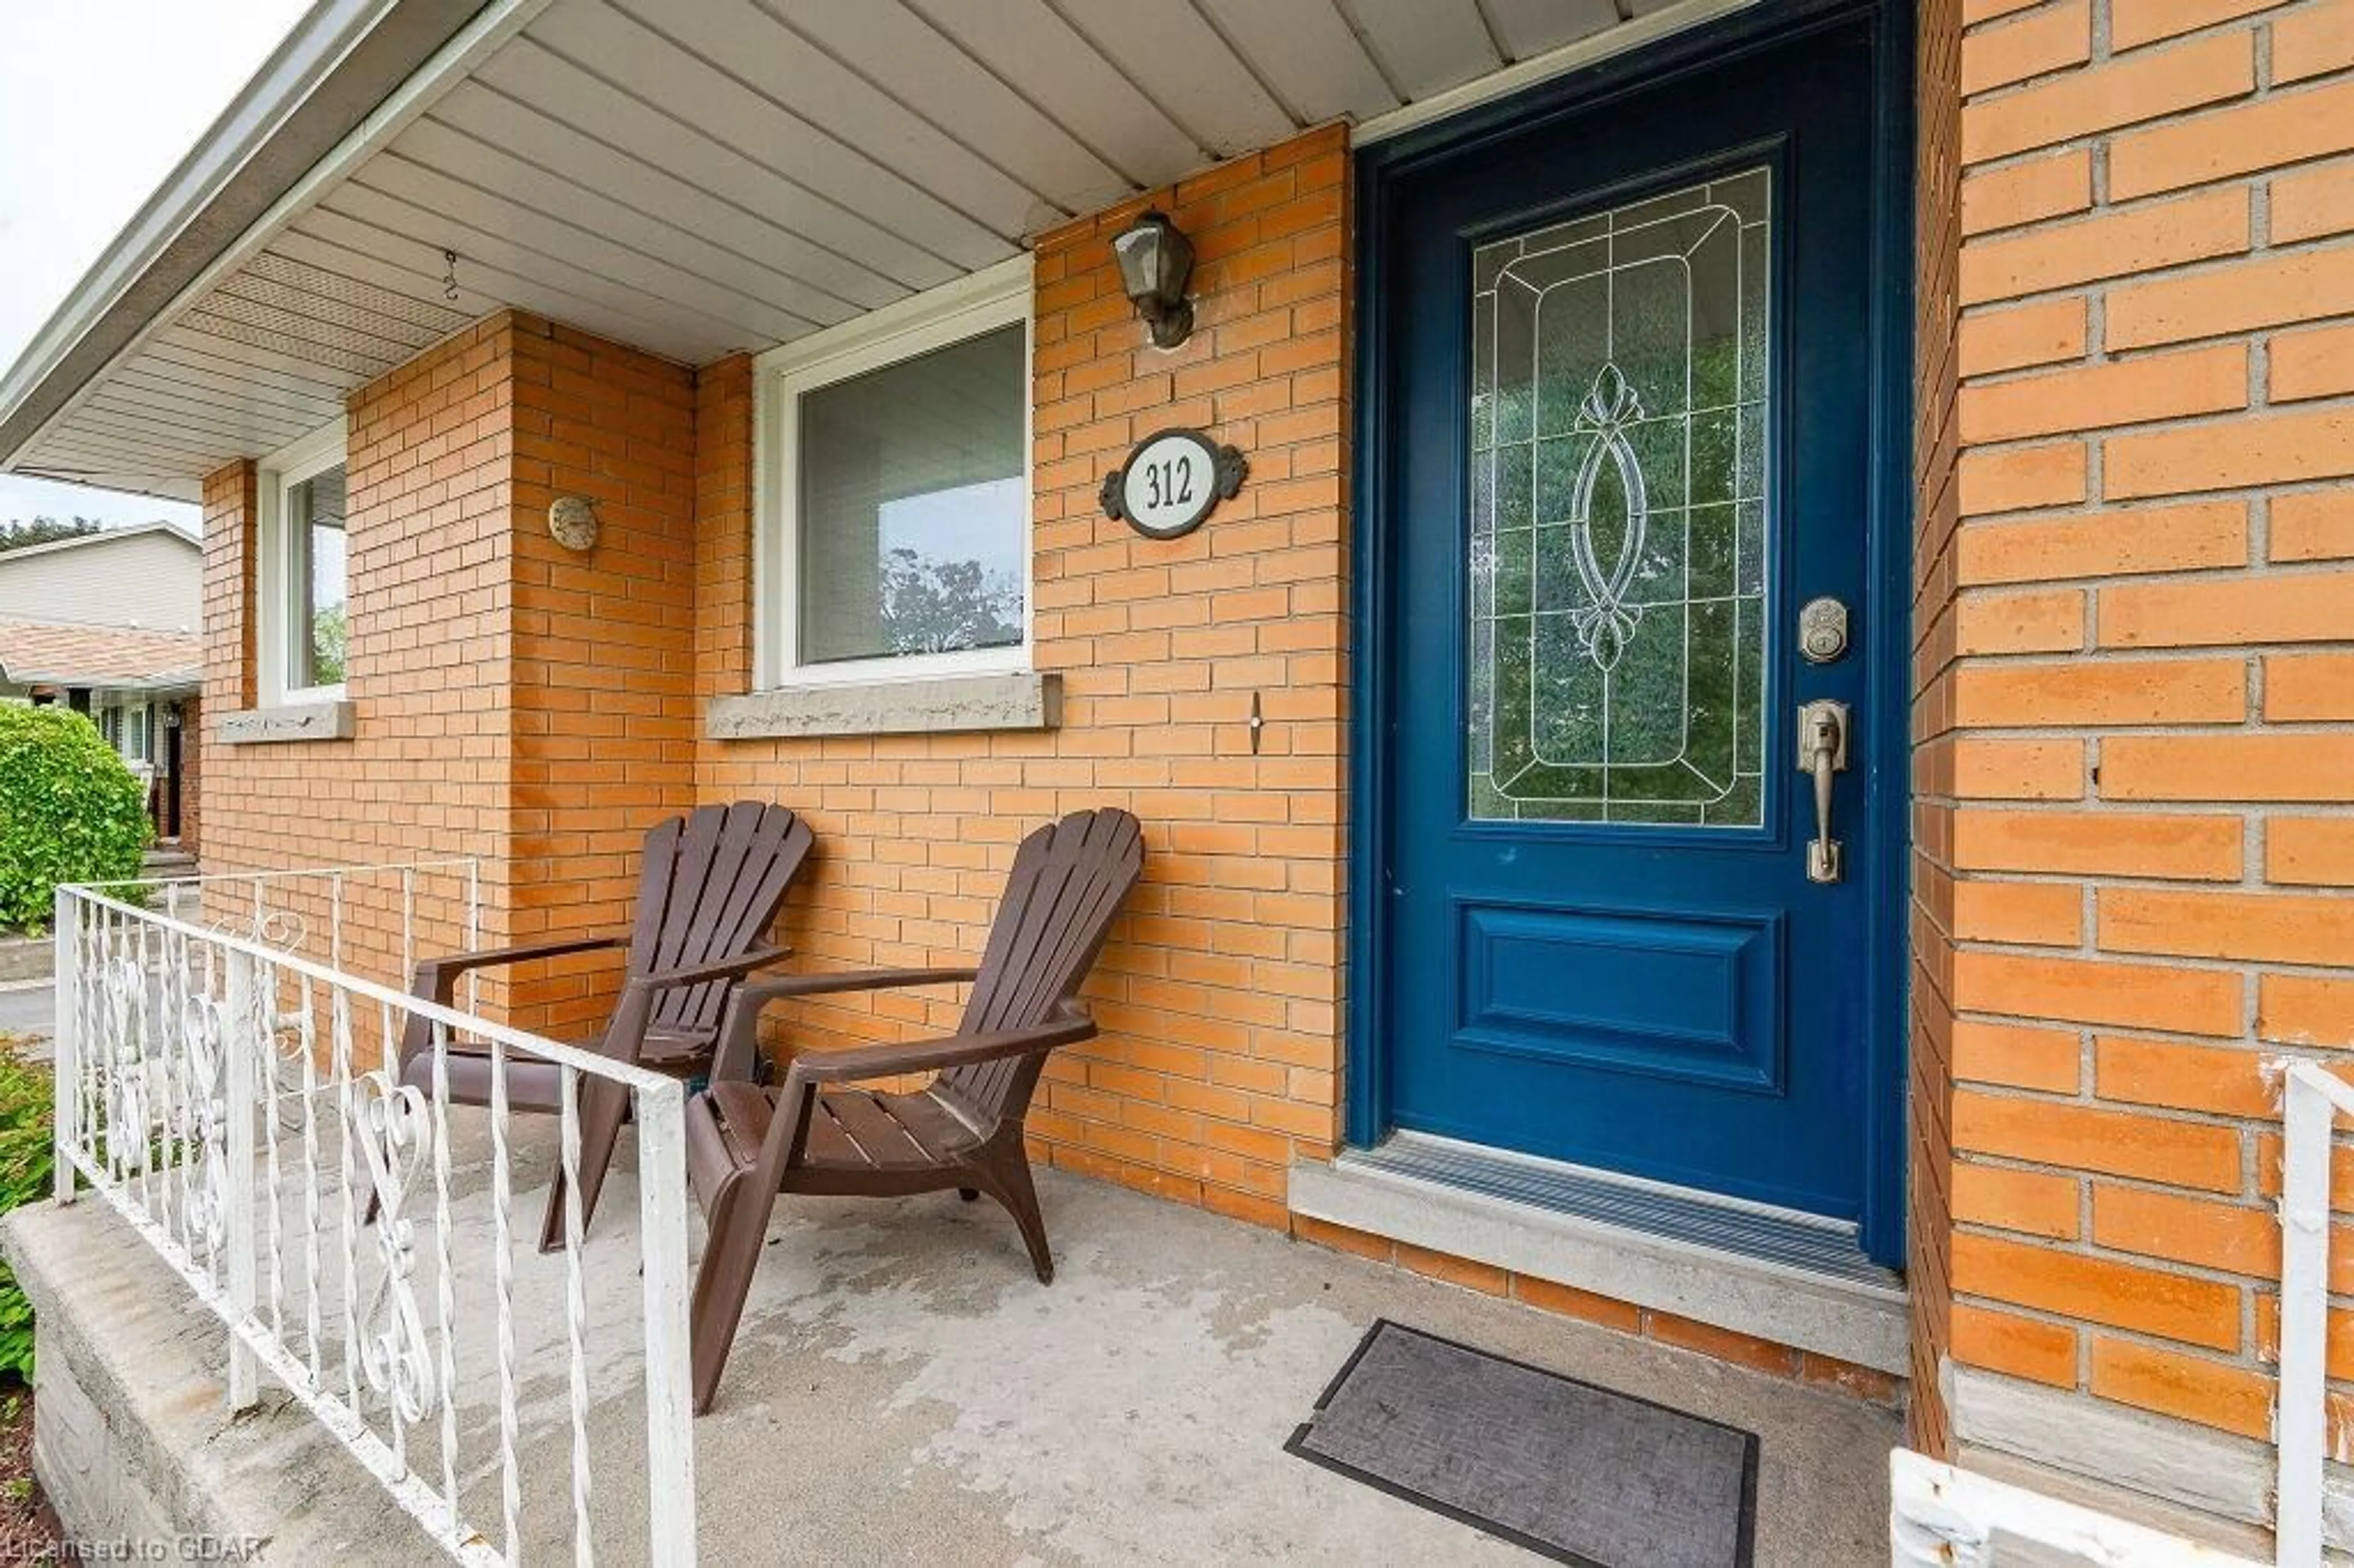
point(213, 1085)
point(1942, 1515)
point(2312, 1099)
point(302, 909)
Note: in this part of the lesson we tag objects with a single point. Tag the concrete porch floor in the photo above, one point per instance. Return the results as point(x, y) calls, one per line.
point(903, 1391)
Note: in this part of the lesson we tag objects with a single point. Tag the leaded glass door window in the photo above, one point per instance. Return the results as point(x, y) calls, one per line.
point(1620, 535)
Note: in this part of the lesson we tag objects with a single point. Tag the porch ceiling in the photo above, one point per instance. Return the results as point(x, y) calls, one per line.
point(695, 178)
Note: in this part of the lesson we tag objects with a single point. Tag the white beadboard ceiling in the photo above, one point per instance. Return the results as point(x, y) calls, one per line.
point(699, 176)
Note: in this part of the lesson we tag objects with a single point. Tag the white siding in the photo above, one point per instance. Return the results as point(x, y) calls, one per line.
point(152, 579)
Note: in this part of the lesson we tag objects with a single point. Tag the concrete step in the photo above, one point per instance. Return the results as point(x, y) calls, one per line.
point(131, 1439)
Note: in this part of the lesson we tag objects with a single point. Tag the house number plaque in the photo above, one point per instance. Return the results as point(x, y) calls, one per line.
point(1171, 482)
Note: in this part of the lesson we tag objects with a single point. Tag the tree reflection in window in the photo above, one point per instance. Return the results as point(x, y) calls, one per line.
point(913, 519)
point(316, 515)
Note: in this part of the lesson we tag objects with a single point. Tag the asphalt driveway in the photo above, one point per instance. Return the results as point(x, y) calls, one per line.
point(29, 1007)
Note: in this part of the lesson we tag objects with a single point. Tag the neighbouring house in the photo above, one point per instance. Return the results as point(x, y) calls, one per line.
point(1732, 623)
point(108, 624)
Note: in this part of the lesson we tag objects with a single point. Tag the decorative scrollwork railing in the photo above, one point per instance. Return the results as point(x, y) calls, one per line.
point(394, 1128)
point(353, 1228)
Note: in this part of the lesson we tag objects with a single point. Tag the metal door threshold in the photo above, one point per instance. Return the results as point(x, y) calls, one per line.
point(1784, 1238)
point(1794, 1279)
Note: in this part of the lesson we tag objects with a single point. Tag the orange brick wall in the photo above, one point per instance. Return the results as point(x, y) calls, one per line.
point(723, 536)
point(515, 702)
point(229, 555)
point(192, 775)
point(2144, 721)
point(1219, 995)
point(1929, 1081)
point(430, 550)
point(603, 654)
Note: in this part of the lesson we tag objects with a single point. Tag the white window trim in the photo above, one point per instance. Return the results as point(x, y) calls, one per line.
point(995, 297)
point(274, 580)
point(120, 717)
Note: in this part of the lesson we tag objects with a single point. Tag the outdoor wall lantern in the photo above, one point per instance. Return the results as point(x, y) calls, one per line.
point(1155, 259)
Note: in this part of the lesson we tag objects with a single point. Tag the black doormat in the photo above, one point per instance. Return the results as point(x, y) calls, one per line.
point(1569, 1470)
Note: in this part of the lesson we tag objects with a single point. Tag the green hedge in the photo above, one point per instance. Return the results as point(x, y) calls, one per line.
point(26, 1163)
point(69, 812)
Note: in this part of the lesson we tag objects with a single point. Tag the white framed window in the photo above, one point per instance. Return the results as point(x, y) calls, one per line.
point(893, 483)
point(128, 726)
point(303, 578)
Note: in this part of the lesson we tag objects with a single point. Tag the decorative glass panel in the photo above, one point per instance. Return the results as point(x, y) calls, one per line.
point(1619, 531)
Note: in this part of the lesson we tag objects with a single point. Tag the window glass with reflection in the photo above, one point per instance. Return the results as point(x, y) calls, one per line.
point(318, 573)
point(913, 505)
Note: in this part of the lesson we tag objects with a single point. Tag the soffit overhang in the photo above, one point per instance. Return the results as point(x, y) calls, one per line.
point(691, 177)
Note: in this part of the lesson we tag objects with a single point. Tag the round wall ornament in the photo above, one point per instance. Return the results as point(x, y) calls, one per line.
point(1170, 481)
point(572, 519)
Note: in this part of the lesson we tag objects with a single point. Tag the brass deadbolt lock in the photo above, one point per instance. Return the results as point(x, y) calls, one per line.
point(1822, 630)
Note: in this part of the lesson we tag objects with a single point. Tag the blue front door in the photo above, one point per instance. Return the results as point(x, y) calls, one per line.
point(1626, 370)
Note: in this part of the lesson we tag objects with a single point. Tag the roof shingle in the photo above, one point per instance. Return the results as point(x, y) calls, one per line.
point(41, 653)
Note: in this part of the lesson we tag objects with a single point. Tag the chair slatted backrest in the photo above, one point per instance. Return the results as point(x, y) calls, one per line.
point(1066, 884)
point(709, 885)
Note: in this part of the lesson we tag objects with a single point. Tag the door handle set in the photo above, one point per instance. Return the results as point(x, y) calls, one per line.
point(1822, 752)
point(1822, 732)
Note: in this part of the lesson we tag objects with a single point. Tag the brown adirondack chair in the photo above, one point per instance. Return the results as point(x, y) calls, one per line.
point(816, 1134)
point(709, 885)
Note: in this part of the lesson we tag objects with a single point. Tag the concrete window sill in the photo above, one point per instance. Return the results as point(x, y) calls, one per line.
point(290, 722)
point(939, 707)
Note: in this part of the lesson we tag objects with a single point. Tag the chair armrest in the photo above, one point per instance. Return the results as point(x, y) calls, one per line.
point(759, 993)
point(863, 1061)
point(739, 1025)
point(787, 1137)
point(452, 965)
point(717, 969)
point(435, 980)
point(633, 1010)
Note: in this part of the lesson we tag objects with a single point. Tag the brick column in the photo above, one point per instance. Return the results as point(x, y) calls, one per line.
point(2141, 705)
point(425, 774)
point(1937, 239)
point(192, 774)
point(230, 543)
point(603, 650)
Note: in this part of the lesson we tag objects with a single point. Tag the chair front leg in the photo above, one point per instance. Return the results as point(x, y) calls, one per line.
point(737, 1220)
point(736, 1058)
point(603, 1104)
point(1002, 1168)
point(723, 1279)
